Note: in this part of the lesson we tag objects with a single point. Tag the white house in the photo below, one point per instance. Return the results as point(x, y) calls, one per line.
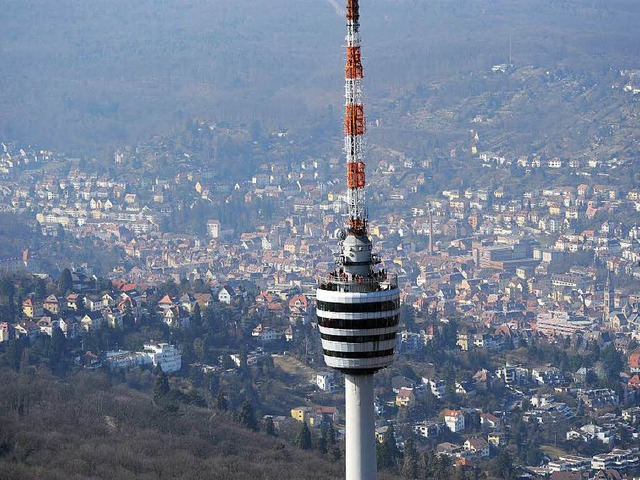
point(326, 381)
point(437, 387)
point(70, 327)
point(590, 432)
point(93, 303)
point(165, 355)
point(428, 429)
point(454, 420)
point(213, 228)
point(265, 334)
point(91, 321)
point(226, 295)
point(46, 325)
point(126, 359)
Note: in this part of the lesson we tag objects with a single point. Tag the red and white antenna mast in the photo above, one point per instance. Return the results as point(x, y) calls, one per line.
point(354, 124)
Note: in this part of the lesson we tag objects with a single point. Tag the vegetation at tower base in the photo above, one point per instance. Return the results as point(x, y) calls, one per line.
point(161, 388)
point(410, 459)
point(247, 416)
point(388, 453)
point(327, 444)
point(303, 439)
point(221, 401)
point(503, 467)
point(268, 427)
point(91, 426)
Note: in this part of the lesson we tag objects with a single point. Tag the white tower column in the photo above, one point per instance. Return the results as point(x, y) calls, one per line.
point(360, 432)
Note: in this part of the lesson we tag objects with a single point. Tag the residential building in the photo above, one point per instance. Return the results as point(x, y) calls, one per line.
point(428, 429)
point(454, 420)
point(167, 356)
point(405, 398)
point(479, 447)
point(326, 381)
point(617, 459)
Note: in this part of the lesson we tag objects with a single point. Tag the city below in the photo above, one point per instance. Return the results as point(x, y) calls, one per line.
point(515, 327)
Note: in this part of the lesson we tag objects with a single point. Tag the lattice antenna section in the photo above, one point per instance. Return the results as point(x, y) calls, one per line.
point(354, 124)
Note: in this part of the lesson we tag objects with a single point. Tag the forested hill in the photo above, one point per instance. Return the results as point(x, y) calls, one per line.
point(84, 75)
point(92, 427)
point(16, 234)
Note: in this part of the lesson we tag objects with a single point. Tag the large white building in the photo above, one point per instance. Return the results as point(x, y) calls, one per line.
point(454, 420)
point(616, 459)
point(165, 355)
point(126, 359)
point(168, 357)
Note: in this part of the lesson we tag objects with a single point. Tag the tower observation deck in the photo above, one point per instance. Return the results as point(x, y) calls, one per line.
point(358, 302)
point(358, 320)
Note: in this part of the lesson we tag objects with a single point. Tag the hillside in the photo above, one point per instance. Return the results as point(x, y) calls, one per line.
point(83, 76)
point(90, 426)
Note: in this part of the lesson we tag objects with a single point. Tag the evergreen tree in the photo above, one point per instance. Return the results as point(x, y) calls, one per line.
point(502, 466)
point(595, 350)
point(221, 402)
point(196, 318)
point(58, 351)
point(333, 449)
point(199, 349)
point(443, 467)
point(335, 454)
point(247, 417)
point(243, 353)
point(613, 361)
point(60, 234)
point(169, 288)
point(161, 388)
point(331, 436)
point(7, 288)
point(41, 290)
point(388, 450)
point(303, 438)
point(427, 460)
point(213, 384)
point(196, 377)
point(268, 427)
point(65, 282)
point(25, 361)
point(13, 353)
point(323, 443)
point(410, 461)
point(534, 455)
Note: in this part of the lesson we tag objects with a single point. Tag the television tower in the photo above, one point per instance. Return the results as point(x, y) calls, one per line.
point(358, 302)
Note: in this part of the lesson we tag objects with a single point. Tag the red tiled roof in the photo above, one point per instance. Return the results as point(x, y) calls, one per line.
point(634, 360)
point(166, 300)
point(452, 413)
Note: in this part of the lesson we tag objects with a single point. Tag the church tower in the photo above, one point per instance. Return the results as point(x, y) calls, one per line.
point(608, 297)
